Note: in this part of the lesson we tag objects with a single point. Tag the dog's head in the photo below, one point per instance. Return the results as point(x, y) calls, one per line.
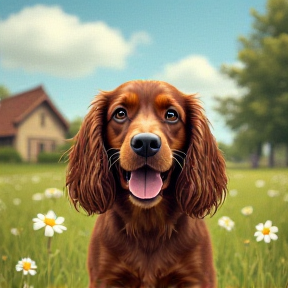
point(155, 138)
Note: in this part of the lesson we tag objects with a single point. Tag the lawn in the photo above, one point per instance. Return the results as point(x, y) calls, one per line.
point(240, 260)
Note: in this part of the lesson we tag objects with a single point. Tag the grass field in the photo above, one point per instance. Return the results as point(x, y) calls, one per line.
point(240, 260)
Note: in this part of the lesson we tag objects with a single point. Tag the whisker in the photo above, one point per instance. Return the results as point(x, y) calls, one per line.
point(179, 156)
point(178, 162)
point(114, 162)
point(179, 151)
point(113, 155)
point(112, 149)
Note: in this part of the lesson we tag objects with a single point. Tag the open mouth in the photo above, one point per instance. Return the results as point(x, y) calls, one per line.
point(145, 183)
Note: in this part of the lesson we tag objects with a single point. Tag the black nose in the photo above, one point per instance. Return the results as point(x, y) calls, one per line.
point(145, 144)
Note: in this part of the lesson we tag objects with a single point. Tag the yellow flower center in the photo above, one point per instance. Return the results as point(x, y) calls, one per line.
point(266, 231)
point(26, 266)
point(49, 221)
point(227, 222)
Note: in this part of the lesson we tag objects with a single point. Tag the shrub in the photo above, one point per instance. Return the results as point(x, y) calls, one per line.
point(49, 157)
point(9, 154)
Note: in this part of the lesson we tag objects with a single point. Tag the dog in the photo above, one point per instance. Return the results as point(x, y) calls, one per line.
point(146, 161)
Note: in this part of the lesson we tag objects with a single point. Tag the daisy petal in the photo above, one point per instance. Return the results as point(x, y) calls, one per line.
point(49, 232)
point(19, 268)
point(57, 229)
point(274, 229)
point(260, 237)
point(260, 227)
point(59, 220)
point(41, 216)
point(25, 272)
point(268, 224)
point(258, 233)
point(273, 236)
point(37, 220)
point(62, 227)
point(51, 215)
point(38, 225)
point(267, 239)
point(32, 272)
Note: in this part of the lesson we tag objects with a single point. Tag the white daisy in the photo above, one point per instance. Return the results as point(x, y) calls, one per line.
point(273, 193)
point(233, 193)
point(53, 193)
point(266, 232)
point(17, 201)
point(38, 196)
point(26, 265)
point(226, 223)
point(248, 210)
point(260, 183)
point(51, 222)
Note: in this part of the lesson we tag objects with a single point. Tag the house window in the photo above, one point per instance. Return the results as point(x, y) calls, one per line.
point(41, 147)
point(42, 119)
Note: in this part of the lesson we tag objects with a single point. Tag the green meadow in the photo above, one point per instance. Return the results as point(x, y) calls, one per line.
point(240, 260)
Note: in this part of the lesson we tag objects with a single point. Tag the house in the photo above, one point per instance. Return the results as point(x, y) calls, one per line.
point(31, 124)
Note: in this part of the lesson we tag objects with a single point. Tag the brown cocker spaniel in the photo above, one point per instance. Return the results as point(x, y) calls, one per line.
point(145, 160)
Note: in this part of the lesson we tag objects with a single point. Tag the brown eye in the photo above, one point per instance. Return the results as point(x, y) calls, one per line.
point(120, 115)
point(171, 116)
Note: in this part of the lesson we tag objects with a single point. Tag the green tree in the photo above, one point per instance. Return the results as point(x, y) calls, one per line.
point(74, 127)
point(261, 112)
point(4, 92)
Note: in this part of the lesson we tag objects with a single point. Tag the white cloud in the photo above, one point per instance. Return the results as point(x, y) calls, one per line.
point(195, 74)
point(46, 39)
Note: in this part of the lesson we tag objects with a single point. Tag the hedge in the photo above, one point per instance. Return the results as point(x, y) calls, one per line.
point(49, 157)
point(9, 155)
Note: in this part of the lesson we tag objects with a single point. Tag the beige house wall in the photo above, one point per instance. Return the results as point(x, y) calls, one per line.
point(40, 131)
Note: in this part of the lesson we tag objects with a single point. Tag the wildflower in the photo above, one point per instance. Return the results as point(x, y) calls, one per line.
point(246, 242)
point(15, 231)
point(266, 231)
point(17, 201)
point(51, 222)
point(26, 265)
point(35, 179)
point(226, 223)
point(260, 183)
point(53, 193)
point(248, 210)
point(233, 192)
point(38, 197)
point(273, 193)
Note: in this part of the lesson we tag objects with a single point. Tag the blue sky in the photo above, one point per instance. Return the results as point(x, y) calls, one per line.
point(74, 48)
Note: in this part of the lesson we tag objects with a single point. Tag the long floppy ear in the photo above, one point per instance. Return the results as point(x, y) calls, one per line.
point(90, 183)
point(201, 186)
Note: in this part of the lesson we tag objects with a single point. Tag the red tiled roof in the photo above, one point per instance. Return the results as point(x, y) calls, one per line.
point(15, 109)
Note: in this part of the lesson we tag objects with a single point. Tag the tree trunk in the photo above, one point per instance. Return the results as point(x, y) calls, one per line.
point(271, 160)
point(255, 157)
point(254, 160)
point(286, 162)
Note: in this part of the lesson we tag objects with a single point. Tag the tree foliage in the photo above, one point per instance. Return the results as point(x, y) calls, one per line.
point(4, 92)
point(261, 113)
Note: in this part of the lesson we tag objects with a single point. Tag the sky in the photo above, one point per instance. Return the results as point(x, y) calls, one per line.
point(76, 48)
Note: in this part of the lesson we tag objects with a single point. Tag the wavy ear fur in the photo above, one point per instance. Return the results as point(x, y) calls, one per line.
point(201, 186)
point(89, 181)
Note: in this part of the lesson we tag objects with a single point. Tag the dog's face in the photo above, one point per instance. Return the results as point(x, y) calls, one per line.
point(147, 124)
point(147, 138)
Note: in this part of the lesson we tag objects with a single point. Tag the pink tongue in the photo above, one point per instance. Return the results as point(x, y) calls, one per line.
point(145, 183)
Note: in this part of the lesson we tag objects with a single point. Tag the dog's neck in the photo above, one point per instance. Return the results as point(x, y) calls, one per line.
point(148, 227)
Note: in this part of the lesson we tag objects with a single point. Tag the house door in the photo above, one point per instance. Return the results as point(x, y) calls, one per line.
point(36, 146)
